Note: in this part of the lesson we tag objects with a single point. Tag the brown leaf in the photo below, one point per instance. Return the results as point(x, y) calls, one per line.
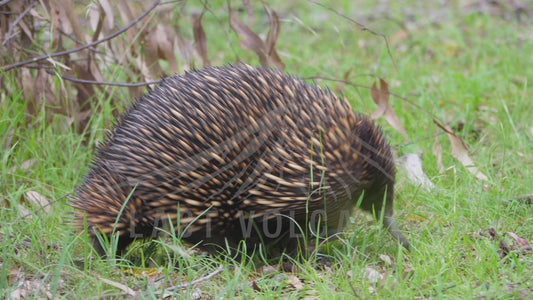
point(32, 286)
point(412, 163)
point(272, 38)
point(386, 259)
point(342, 83)
point(68, 19)
point(25, 165)
point(129, 291)
point(42, 90)
point(517, 245)
point(200, 41)
point(126, 15)
point(521, 242)
point(151, 58)
point(249, 40)
point(294, 281)
point(381, 97)
point(38, 200)
point(94, 69)
point(249, 11)
point(185, 47)
point(254, 286)
point(110, 17)
point(96, 18)
point(372, 275)
point(460, 151)
point(24, 212)
point(27, 91)
point(9, 140)
point(160, 45)
point(26, 35)
point(400, 36)
point(125, 12)
point(84, 91)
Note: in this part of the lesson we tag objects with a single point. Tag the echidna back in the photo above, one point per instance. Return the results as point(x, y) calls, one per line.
point(236, 153)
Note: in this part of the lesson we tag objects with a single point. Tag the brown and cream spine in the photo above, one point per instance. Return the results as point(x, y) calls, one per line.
point(218, 149)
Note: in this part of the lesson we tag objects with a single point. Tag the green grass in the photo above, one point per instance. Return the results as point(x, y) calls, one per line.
point(472, 68)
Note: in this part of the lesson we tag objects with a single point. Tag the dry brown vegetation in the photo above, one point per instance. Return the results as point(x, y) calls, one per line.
point(42, 42)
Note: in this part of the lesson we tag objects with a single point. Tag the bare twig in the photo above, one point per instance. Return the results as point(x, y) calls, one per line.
point(40, 208)
point(369, 88)
point(5, 2)
point(186, 285)
point(36, 59)
point(127, 290)
point(83, 81)
point(361, 26)
point(17, 20)
point(392, 94)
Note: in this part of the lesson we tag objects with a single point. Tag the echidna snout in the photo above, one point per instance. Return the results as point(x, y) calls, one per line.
point(237, 153)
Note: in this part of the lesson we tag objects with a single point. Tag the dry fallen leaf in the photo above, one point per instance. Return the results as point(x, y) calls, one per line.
point(342, 83)
point(381, 97)
point(110, 17)
point(55, 14)
point(24, 212)
point(38, 200)
point(129, 291)
point(254, 286)
point(68, 19)
point(272, 38)
point(160, 45)
point(386, 259)
point(521, 242)
point(372, 275)
point(295, 282)
point(460, 151)
point(250, 40)
point(30, 288)
point(412, 163)
point(25, 165)
point(200, 40)
point(516, 245)
point(249, 12)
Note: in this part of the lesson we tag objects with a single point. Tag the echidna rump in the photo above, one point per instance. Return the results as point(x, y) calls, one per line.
point(237, 153)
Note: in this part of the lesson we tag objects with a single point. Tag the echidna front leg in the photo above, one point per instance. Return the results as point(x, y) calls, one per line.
point(389, 221)
point(123, 242)
point(392, 226)
point(373, 201)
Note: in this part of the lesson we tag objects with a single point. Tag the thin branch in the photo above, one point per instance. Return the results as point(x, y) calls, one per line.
point(77, 80)
point(5, 2)
point(40, 208)
point(186, 285)
point(361, 26)
point(17, 20)
point(435, 120)
point(127, 290)
point(368, 87)
point(36, 59)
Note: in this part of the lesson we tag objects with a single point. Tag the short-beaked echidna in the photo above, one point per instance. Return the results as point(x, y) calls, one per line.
point(237, 153)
